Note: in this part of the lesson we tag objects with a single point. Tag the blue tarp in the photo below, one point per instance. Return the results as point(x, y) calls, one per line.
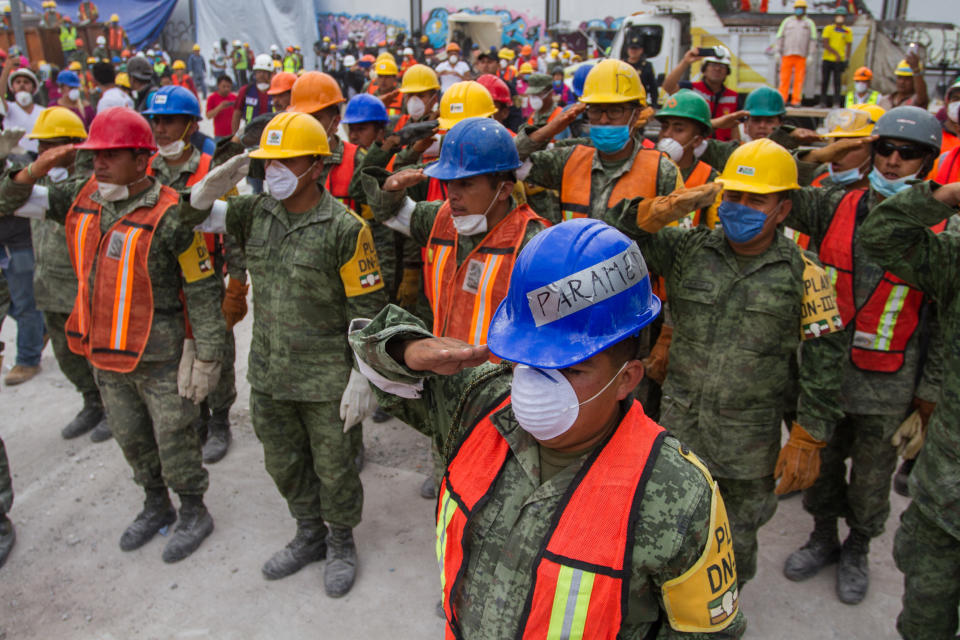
point(143, 19)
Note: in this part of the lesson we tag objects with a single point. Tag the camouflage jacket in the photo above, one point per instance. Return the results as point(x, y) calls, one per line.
point(736, 330)
point(896, 234)
point(671, 532)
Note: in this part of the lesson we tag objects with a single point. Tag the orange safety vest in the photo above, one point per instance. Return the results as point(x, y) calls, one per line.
point(698, 177)
point(338, 180)
point(889, 317)
point(818, 181)
point(401, 122)
point(214, 241)
point(464, 298)
point(115, 36)
point(639, 182)
point(947, 168)
point(584, 563)
point(949, 142)
point(86, 11)
point(111, 325)
point(556, 111)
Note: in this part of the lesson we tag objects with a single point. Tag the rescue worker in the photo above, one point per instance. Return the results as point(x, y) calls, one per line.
point(850, 170)
point(540, 98)
point(306, 252)
point(253, 99)
point(500, 93)
point(100, 51)
point(87, 12)
point(366, 119)
point(529, 537)
point(837, 41)
point(175, 117)
point(926, 548)
point(862, 93)
point(634, 54)
point(951, 122)
point(911, 87)
point(281, 84)
point(68, 40)
point(54, 282)
point(51, 17)
point(714, 71)
point(737, 299)
point(883, 373)
point(136, 339)
point(796, 38)
point(198, 70)
point(116, 36)
point(506, 71)
point(240, 62)
point(385, 86)
point(453, 69)
point(142, 81)
point(183, 79)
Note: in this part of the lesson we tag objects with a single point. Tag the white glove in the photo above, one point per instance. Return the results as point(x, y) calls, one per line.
point(219, 181)
point(203, 378)
point(186, 366)
point(909, 436)
point(357, 402)
point(10, 138)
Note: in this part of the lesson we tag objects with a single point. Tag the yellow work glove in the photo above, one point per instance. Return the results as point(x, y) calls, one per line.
point(654, 214)
point(409, 288)
point(798, 464)
point(656, 363)
point(909, 436)
point(234, 304)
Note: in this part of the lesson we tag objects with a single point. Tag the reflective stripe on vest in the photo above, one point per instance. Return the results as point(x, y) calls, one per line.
point(111, 325)
point(290, 64)
point(115, 37)
point(463, 298)
point(640, 181)
point(581, 573)
point(885, 323)
point(948, 167)
point(338, 179)
point(802, 240)
point(68, 38)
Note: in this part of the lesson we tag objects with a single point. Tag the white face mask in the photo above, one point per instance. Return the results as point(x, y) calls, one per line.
point(503, 63)
point(453, 59)
point(545, 403)
point(116, 192)
point(475, 223)
point(23, 98)
point(74, 94)
point(263, 86)
point(415, 107)
point(671, 147)
point(281, 181)
point(953, 111)
point(58, 174)
point(700, 149)
point(536, 103)
point(861, 87)
point(172, 150)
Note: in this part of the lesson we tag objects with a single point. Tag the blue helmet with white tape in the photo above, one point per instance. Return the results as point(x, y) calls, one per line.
point(365, 107)
point(173, 100)
point(473, 147)
point(576, 289)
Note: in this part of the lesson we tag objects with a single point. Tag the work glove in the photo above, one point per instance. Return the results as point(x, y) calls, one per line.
point(219, 181)
point(908, 439)
point(234, 302)
point(204, 376)
point(10, 138)
point(654, 214)
point(186, 366)
point(798, 464)
point(656, 363)
point(416, 131)
point(409, 288)
point(357, 402)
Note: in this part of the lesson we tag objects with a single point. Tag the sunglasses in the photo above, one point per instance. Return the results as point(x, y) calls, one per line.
point(907, 151)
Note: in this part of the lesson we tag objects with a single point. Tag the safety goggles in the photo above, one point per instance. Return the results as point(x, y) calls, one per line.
point(907, 151)
point(614, 111)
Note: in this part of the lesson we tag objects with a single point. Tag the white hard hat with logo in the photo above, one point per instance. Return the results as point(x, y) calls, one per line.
point(263, 62)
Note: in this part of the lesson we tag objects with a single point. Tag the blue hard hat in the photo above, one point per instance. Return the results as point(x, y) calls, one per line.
point(365, 107)
point(116, 60)
point(579, 77)
point(473, 147)
point(576, 289)
point(68, 78)
point(173, 101)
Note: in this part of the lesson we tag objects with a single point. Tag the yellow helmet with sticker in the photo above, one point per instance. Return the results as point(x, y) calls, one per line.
point(611, 82)
point(463, 100)
point(760, 166)
point(291, 135)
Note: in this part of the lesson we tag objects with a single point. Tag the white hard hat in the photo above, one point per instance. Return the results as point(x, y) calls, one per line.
point(236, 43)
point(263, 62)
point(151, 52)
point(349, 60)
point(408, 51)
point(274, 47)
point(722, 57)
point(101, 40)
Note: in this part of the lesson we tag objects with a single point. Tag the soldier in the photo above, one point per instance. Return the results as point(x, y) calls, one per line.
point(737, 299)
point(529, 535)
point(540, 98)
point(385, 86)
point(116, 36)
point(281, 84)
point(313, 267)
point(128, 317)
point(87, 12)
point(366, 119)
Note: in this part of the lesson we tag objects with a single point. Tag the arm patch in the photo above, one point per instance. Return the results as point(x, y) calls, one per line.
point(361, 274)
point(819, 312)
point(195, 262)
point(705, 598)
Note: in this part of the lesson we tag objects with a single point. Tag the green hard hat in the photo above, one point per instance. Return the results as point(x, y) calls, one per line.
point(954, 87)
point(764, 101)
point(687, 104)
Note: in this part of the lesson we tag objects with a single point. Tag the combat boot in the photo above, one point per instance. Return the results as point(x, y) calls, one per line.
point(195, 524)
point(7, 537)
point(822, 548)
point(901, 476)
point(309, 545)
point(90, 416)
point(101, 432)
point(218, 436)
point(157, 513)
point(853, 574)
point(341, 569)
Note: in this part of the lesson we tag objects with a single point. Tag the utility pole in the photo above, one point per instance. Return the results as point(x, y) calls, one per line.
point(17, 22)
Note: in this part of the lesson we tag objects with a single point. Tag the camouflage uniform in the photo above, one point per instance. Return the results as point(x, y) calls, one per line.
point(509, 531)
point(927, 545)
point(149, 419)
point(311, 273)
point(874, 403)
point(737, 326)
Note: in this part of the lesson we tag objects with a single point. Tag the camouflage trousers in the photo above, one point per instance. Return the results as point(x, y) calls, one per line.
point(6, 485)
point(152, 425)
point(864, 499)
point(750, 505)
point(929, 558)
point(310, 458)
point(225, 393)
point(74, 367)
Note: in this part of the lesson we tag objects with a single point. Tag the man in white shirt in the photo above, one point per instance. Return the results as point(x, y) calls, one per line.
point(21, 111)
point(112, 96)
point(453, 69)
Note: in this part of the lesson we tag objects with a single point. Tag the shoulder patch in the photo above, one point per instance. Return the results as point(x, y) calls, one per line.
point(195, 262)
point(819, 312)
point(361, 274)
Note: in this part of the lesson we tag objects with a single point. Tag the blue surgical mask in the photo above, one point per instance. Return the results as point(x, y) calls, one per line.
point(557, 85)
point(843, 178)
point(740, 222)
point(886, 187)
point(609, 138)
point(798, 12)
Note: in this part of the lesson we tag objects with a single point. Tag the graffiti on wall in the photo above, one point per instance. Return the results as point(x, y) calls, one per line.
point(518, 26)
point(604, 23)
point(360, 26)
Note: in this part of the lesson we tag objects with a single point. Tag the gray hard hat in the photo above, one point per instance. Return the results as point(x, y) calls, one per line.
point(910, 123)
point(140, 69)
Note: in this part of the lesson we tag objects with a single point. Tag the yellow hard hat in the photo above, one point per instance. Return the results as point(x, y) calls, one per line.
point(386, 55)
point(291, 135)
point(122, 80)
point(114, 18)
point(419, 78)
point(58, 122)
point(179, 64)
point(760, 166)
point(277, 64)
point(196, 47)
point(386, 67)
point(800, 4)
point(91, 60)
point(462, 100)
point(903, 69)
point(856, 122)
point(554, 45)
point(613, 81)
point(526, 67)
point(506, 54)
point(326, 38)
point(542, 49)
point(75, 66)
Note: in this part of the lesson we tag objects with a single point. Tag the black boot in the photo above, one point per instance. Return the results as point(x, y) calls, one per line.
point(341, 569)
point(218, 436)
point(822, 548)
point(90, 415)
point(195, 525)
point(101, 432)
point(901, 476)
point(157, 513)
point(309, 545)
point(7, 537)
point(853, 574)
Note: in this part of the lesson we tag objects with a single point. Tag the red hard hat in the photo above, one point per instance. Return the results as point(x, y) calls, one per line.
point(119, 128)
point(79, 42)
point(498, 89)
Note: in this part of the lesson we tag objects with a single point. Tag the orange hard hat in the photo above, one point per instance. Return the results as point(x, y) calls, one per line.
point(313, 91)
point(453, 46)
point(428, 51)
point(526, 50)
point(281, 83)
point(79, 42)
point(863, 74)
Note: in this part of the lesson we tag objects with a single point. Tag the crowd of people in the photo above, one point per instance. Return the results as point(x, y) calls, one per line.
point(514, 263)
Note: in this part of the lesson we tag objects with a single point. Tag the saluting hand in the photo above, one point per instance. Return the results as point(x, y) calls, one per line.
point(56, 157)
point(548, 132)
point(404, 179)
point(444, 356)
point(729, 120)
